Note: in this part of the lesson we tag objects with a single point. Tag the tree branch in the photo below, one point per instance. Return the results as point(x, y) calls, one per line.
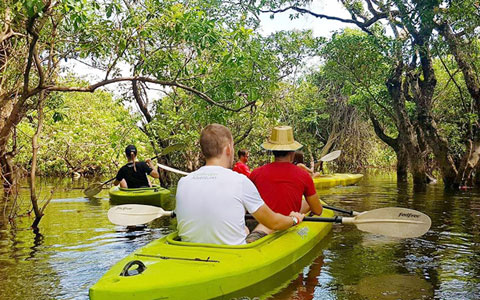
point(102, 83)
point(381, 133)
point(320, 16)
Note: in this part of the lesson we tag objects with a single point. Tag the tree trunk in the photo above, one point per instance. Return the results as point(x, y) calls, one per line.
point(7, 167)
point(399, 148)
point(406, 130)
point(402, 164)
point(33, 192)
point(468, 164)
point(423, 90)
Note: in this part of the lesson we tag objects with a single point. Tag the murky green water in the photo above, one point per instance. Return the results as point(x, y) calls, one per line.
point(77, 245)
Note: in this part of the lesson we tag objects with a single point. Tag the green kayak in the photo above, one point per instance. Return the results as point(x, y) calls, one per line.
point(171, 269)
point(148, 196)
point(331, 180)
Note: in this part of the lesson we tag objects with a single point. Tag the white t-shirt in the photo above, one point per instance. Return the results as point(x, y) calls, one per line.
point(211, 205)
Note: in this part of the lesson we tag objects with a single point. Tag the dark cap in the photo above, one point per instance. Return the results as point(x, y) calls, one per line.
point(130, 149)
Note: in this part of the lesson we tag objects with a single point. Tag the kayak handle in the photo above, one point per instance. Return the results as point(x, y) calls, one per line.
point(127, 272)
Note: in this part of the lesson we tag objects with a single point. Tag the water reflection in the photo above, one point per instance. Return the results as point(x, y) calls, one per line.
point(393, 287)
point(77, 245)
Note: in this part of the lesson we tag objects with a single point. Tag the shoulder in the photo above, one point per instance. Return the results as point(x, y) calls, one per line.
point(143, 166)
point(261, 168)
point(235, 175)
point(124, 167)
point(304, 175)
point(303, 171)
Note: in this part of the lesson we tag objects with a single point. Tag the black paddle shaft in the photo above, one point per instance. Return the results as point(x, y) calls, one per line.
point(348, 212)
point(336, 219)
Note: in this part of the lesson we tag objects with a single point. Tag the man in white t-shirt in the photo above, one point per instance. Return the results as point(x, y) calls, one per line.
point(212, 201)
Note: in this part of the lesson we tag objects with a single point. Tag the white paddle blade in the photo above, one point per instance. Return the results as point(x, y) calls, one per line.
point(172, 169)
point(93, 189)
point(135, 214)
point(331, 156)
point(172, 148)
point(392, 221)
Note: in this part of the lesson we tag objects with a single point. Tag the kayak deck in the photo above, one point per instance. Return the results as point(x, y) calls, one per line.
point(331, 180)
point(148, 196)
point(182, 270)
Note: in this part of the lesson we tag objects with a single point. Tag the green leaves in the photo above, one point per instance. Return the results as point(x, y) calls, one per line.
point(33, 7)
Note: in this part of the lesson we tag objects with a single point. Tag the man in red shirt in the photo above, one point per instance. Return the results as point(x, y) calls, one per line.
point(241, 165)
point(281, 183)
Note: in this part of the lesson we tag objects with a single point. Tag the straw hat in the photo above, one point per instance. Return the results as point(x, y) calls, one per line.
point(282, 140)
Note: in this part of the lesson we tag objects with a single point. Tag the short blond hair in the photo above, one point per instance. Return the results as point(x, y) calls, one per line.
point(213, 139)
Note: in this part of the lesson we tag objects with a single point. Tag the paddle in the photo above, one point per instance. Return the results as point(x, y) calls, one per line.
point(389, 221)
point(348, 212)
point(331, 156)
point(135, 214)
point(167, 168)
point(96, 187)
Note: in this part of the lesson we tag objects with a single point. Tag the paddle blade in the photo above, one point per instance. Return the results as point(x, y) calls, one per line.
point(392, 221)
point(331, 156)
point(93, 189)
point(172, 148)
point(172, 169)
point(135, 214)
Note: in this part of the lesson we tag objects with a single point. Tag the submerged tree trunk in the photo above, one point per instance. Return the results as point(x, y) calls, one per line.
point(459, 49)
point(402, 164)
point(407, 136)
point(33, 191)
point(423, 89)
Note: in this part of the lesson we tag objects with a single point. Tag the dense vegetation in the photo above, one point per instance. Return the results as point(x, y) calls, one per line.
point(407, 74)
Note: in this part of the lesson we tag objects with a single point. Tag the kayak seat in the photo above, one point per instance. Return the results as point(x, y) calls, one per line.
point(174, 239)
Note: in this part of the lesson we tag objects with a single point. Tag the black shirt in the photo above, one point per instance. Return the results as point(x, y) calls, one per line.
point(135, 179)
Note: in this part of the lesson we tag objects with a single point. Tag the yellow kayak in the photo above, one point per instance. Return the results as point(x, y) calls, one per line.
point(172, 269)
point(331, 180)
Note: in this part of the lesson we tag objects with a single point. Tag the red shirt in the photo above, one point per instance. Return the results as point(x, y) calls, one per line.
point(281, 185)
point(242, 168)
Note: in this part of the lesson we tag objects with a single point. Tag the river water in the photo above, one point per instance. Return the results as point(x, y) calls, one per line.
point(77, 245)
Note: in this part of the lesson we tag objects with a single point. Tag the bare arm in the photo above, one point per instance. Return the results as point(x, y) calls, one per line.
point(123, 183)
point(154, 172)
point(305, 168)
point(315, 204)
point(273, 220)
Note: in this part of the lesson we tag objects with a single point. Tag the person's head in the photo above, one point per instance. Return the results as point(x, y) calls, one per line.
point(282, 144)
point(298, 158)
point(216, 142)
point(243, 155)
point(284, 155)
point(131, 152)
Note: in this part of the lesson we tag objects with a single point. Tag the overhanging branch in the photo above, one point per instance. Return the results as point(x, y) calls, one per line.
point(362, 25)
point(93, 87)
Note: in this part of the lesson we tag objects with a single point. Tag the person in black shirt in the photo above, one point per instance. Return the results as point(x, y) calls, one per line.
point(134, 173)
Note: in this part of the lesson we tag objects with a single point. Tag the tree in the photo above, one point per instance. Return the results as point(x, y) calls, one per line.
point(412, 77)
point(360, 65)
